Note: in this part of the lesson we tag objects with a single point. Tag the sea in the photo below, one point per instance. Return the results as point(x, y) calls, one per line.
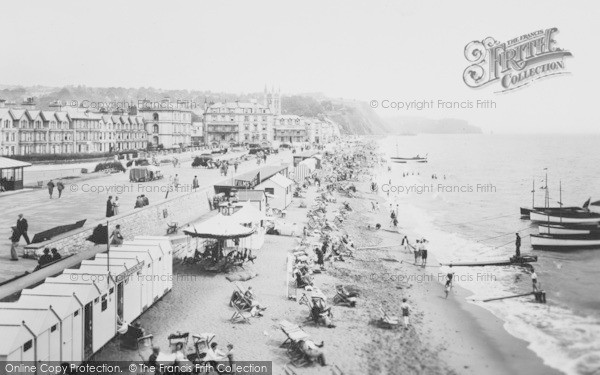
point(465, 201)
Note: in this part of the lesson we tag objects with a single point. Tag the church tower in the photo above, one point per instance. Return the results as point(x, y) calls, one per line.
point(273, 100)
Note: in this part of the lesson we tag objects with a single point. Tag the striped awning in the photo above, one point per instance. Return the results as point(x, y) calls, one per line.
point(12, 163)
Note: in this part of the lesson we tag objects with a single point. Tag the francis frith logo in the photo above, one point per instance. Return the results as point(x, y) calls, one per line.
point(515, 63)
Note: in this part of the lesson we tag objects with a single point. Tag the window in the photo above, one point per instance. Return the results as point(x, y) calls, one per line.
point(27, 345)
point(270, 191)
point(76, 313)
point(155, 116)
point(104, 303)
point(53, 328)
point(97, 300)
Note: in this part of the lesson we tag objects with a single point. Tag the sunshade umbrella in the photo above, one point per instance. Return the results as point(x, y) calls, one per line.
point(248, 214)
point(219, 227)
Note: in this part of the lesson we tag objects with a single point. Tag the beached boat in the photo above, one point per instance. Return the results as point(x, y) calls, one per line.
point(565, 217)
point(565, 241)
point(569, 229)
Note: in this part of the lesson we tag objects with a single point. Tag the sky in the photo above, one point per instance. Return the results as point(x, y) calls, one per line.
point(399, 51)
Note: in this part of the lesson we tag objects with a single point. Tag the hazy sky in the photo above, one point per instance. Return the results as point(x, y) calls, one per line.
point(396, 50)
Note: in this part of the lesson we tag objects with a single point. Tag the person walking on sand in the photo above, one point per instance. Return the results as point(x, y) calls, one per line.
point(60, 187)
point(518, 245)
point(50, 186)
point(405, 243)
point(22, 227)
point(377, 206)
point(109, 207)
point(449, 278)
point(417, 251)
point(235, 166)
point(534, 280)
point(423, 253)
point(195, 184)
point(405, 312)
point(372, 206)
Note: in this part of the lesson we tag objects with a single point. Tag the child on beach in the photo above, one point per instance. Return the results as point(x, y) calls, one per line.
point(405, 312)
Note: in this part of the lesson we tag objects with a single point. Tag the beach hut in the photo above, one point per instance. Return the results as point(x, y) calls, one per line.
point(125, 274)
point(68, 308)
point(43, 324)
point(279, 188)
point(97, 293)
point(16, 344)
point(162, 254)
point(146, 276)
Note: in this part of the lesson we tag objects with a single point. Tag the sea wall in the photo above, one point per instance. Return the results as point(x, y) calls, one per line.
point(150, 220)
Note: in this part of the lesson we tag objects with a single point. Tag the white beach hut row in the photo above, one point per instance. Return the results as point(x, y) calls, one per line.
point(71, 316)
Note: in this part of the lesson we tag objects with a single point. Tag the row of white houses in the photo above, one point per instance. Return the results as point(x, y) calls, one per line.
point(71, 316)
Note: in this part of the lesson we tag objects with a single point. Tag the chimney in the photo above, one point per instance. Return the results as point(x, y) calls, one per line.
point(28, 102)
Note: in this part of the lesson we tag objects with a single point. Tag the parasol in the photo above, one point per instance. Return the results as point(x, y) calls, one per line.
point(248, 214)
point(219, 227)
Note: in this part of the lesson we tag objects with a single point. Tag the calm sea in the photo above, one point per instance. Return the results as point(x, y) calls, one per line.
point(471, 212)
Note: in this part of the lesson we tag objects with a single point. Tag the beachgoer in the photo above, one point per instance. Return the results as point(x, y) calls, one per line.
point(45, 259)
point(60, 187)
point(145, 200)
point(417, 251)
point(50, 186)
point(109, 207)
point(405, 312)
point(405, 243)
point(449, 278)
point(534, 280)
point(176, 181)
point(313, 351)
point(152, 359)
point(377, 206)
point(518, 245)
point(22, 227)
point(55, 254)
point(14, 242)
point(116, 236)
point(423, 253)
point(195, 184)
point(116, 206)
point(372, 206)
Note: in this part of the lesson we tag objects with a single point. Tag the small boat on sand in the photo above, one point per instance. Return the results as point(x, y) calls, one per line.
point(565, 241)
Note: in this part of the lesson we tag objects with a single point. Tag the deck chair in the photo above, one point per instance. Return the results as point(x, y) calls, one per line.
point(388, 321)
point(176, 338)
point(240, 315)
point(293, 343)
point(293, 332)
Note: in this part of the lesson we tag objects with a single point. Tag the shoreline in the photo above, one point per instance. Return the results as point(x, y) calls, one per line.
point(511, 351)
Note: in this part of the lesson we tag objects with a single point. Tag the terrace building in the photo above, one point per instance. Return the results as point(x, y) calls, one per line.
point(167, 124)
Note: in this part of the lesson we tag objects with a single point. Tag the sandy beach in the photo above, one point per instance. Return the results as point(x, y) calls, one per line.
point(446, 336)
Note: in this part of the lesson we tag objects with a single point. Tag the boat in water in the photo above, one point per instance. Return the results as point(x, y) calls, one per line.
point(565, 217)
point(418, 159)
point(568, 229)
point(565, 241)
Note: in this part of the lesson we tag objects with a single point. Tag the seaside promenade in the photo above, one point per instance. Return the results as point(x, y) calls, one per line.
point(85, 198)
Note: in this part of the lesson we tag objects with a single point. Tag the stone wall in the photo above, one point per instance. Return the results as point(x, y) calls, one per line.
point(151, 220)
